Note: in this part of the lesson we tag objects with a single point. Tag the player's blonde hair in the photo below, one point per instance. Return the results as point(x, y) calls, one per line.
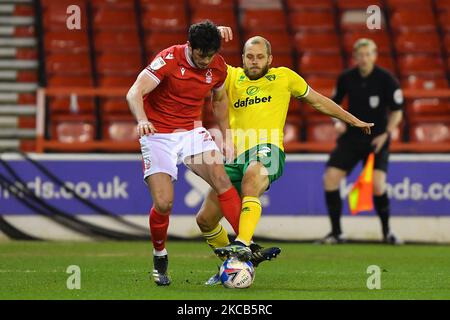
point(259, 40)
point(364, 42)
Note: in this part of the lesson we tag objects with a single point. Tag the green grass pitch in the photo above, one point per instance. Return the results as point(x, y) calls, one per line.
point(121, 270)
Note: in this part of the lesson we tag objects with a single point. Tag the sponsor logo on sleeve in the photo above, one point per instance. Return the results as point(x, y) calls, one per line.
point(157, 64)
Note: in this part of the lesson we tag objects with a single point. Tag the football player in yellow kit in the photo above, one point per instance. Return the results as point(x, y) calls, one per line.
point(258, 103)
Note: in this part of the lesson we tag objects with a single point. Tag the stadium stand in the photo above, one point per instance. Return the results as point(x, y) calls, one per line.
point(315, 38)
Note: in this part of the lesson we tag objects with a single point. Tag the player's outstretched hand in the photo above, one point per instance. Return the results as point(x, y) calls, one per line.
point(364, 126)
point(226, 33)
point(145, 127)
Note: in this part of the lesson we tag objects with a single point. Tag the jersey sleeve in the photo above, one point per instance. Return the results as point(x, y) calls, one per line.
point(228, 79)
point(158, 69)
point(223, 76)
point(394, 94)
point(297, 85)
point(339, 91)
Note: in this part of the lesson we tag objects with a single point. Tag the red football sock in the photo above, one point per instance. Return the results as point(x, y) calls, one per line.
point(230, 203)
point(158, 228)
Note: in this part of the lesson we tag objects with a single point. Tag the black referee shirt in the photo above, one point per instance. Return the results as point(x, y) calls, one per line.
point(370, 99)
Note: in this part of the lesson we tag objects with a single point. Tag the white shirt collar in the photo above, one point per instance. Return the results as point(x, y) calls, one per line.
point(188, 58)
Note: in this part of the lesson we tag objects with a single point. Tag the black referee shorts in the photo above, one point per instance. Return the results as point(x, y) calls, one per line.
point(349, 151)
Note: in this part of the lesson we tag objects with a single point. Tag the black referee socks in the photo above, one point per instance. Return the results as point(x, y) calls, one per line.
point(382, 207)
point(334, 205)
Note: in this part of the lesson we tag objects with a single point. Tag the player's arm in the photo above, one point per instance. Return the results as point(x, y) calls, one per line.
point(329, 107)
point(395, 101)
point(220, 110)
point(135, 98)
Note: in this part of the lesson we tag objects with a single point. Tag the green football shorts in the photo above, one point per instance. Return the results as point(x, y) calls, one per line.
point(272, 157)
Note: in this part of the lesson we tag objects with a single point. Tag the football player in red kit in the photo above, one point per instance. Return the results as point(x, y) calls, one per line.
point(166, 101)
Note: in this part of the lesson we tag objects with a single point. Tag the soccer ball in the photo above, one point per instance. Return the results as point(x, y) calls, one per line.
point(236, 274)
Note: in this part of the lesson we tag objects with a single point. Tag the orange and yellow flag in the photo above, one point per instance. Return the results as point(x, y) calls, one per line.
point(360, 197)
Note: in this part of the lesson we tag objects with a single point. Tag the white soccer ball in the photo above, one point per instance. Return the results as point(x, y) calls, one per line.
point(237, 274)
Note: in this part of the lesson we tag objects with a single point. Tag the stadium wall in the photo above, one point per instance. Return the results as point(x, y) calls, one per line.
point(117, 202)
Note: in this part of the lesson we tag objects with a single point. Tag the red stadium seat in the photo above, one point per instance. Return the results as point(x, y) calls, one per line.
point(73, 128)
point(158, 4)
point(66, 42)
point(118, 81)
point(308, 5)
point(311, 20)
point(404, 5)
point(157, 41)
point(424, 83)
point(442, 5)
point(430, 130)
point(418, 42)
point(117, 41)
point(218, 5)
point(428, 107)
point(357, 4)
point(381, 38)
point(321, 83)
point(447, 43)
point(116, 4)
point(121, 130)
point(317, 42)
point(63, 105)
point(320, 64)
point(402, 21)
point(387, 62)
point(115, 19)
point(280, 42)
point(356, 20)
point(115, 106)
point(52, 3)
point(292, 128)
point(383, 60)
point(233, 46)
point(262, 20)
point(233, 59)
point(54, 15)
point(444, 19)
point(421, 64)
point(119, 64)
point(69, 81)
point(283, 60)
point(165, 18)
point(294, 107)
point(67, 64)
point(224, 17)
point(320, 129)
point(74, 132)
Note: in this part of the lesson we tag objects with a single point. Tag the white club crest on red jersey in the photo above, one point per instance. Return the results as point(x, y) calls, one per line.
point(169, 56)
point(208, 76)
point(183, 70)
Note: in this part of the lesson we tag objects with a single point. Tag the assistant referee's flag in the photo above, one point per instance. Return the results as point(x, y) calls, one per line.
point(360, 197)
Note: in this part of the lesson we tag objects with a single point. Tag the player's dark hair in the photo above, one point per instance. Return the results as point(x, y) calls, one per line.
point(205, 36)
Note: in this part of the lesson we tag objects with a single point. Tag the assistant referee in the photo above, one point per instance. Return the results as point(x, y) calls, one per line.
point(374, 95)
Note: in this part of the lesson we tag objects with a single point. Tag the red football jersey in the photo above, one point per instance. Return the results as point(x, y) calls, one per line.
point(178, 99)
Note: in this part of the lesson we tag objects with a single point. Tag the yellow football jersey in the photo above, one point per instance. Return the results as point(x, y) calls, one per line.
point(258, 108)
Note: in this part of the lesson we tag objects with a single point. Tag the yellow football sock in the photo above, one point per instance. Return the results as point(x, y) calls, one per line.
point(217, 238)
point(250, 214)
